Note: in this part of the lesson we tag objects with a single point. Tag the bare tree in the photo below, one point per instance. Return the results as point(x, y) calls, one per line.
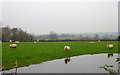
point(6, 33)
point(15, 34)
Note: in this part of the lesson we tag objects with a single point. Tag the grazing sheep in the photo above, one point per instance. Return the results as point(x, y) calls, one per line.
point(13, 45)
point(35, 42)
point(91, 42)
point(66, 48)
point(10, 40)
point(99, 41)
point(110, 46)
point(17, 42)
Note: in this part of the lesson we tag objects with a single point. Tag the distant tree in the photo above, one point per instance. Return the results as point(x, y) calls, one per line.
point(81, 37)
point(0, 33)
point(96, 37)
point(53, 36)
point(119, 37)
point(6, 33)
point(15, 34)
point(106, 37)
point(87, 37)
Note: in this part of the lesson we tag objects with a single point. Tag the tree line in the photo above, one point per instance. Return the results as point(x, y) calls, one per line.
point(52, 36)
point(15, 34)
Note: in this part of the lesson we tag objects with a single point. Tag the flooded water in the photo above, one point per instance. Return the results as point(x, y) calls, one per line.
point(98, 63)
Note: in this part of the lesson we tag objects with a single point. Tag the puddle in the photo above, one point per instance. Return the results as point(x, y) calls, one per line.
point(77, 64)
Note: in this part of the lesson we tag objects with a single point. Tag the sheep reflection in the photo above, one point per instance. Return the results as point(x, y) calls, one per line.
point(110, 55)
point(67, 60)
point(118, 60)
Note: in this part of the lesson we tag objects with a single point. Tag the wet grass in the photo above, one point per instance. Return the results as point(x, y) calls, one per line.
point(33, 53)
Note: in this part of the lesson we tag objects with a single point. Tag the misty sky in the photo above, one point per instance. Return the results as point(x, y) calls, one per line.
point(61, 17)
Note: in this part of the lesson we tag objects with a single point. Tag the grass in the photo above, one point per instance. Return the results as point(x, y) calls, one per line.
point(33, 53)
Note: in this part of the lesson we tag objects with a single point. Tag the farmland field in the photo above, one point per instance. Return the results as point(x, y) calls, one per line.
point(33, 53)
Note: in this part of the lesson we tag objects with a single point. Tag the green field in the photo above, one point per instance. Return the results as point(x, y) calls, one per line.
point(33, 53)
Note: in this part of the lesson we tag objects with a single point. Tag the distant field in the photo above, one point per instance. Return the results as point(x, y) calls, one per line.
point(33, 53)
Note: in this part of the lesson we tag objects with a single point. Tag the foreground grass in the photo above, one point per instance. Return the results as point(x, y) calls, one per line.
point(33, 53)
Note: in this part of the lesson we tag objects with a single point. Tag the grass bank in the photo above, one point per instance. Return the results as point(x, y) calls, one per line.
point(33, 53)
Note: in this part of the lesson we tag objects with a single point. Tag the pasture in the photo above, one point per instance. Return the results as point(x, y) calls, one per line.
point(34, 53)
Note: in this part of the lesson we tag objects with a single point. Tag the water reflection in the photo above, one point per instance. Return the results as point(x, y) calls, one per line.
point(67, 60)
point(110, 55)
point(79, 64)
point(118, 60)
point(109, 68)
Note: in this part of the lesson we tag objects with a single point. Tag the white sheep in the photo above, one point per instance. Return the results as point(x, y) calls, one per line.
point(99, 41)
point(91, 42)
point(35, 41)
point(13, 45)
point(110, 46)
point(10, 40)
point(66, 48)
point(17, 42)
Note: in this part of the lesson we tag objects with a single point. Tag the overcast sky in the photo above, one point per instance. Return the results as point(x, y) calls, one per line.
point(61, 17)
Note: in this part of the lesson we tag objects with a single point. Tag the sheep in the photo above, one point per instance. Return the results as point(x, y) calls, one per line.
point(10, 41)
point(17, 42)
point(91, 42)
point(110, 46)
point(13, 45)
point(35, 42)
point(99, 41)
point(66, 48)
